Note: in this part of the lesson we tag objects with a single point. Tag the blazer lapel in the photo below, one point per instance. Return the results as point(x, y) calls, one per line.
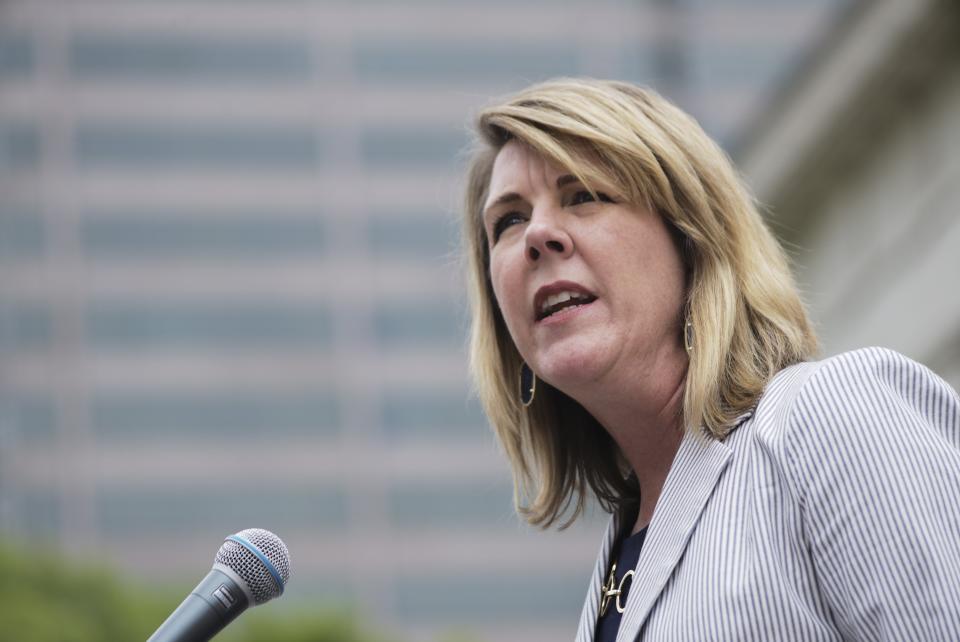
point(695, 472)
point(588, 617)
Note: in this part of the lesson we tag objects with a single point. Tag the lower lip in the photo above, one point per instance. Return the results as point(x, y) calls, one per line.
point(566, 314)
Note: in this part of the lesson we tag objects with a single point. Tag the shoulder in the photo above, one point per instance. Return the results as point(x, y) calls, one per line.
point(866, 382)
point(867, 448)
point(867, 408)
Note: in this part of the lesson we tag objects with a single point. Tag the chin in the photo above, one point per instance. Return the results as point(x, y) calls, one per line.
point(567, 369)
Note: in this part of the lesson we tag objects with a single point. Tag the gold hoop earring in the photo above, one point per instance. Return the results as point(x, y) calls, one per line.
point(528, 385)
point(688, 336)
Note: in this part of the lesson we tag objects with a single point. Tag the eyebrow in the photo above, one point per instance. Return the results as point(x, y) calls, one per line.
point(503, 199)
point(511, 197)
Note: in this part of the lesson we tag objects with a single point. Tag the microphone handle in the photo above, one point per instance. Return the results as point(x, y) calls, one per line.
point(216, 602)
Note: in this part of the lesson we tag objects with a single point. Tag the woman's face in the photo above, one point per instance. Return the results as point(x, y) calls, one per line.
point(588, 288)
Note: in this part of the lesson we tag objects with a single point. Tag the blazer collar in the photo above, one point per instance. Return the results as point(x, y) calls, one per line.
point(695, 471)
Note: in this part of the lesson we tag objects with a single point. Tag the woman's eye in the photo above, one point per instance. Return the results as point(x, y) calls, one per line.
point(505, 221)
point(583, 196)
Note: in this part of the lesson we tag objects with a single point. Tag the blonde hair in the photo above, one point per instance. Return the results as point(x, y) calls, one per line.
point(747, 318)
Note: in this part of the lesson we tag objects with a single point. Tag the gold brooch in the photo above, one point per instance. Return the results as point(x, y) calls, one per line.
point(611, 591)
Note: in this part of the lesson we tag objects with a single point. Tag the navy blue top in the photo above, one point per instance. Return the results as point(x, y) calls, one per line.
point(609, 623)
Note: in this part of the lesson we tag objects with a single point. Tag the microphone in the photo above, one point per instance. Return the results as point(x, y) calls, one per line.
point(251, 568)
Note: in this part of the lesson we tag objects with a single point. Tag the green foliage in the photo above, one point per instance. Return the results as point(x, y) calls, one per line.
point(298, 627)
point(45, 598)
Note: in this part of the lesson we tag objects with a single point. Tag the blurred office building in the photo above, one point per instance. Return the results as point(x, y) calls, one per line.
point(230, 293)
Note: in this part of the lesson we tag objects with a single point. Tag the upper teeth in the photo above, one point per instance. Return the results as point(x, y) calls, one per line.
point(558, 298)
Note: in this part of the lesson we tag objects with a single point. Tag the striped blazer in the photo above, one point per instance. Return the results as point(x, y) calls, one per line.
point(831, 512)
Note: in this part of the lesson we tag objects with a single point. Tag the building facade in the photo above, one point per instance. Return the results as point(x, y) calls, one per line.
point(230, 291)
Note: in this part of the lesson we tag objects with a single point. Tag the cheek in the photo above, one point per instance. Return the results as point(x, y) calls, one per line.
point(667, 284)
point(647, 264)
point(508, 288)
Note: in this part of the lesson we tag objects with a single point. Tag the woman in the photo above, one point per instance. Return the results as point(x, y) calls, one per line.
point(637, 338)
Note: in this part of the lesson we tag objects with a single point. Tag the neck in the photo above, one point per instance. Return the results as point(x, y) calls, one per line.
point(642, 413)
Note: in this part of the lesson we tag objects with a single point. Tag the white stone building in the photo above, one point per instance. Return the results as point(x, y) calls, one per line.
point(858, 162)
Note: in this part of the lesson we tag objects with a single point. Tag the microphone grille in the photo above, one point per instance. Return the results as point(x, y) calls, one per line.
point(251, 569)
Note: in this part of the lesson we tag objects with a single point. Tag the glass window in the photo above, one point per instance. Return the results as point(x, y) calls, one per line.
point(405, 148)
point(425, 323)
point(16, 55)
point(151, 146)
point(19, 146)
point(426, 236)
point(755, 66)
point(432, 415)
point(131, 325)
point(638, 64)
point(35, 513)
point(452, 505)
point(24, 326)
point(257, 416)
point(176, 234)
point(21, 233)
point(219, 506)
point(28, 419)
point(153, 57)
point(463, 63)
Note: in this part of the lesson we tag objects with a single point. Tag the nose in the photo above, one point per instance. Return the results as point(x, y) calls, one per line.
point(545, 235)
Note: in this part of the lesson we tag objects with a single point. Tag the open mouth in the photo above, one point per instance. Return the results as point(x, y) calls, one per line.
point(554, 303)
